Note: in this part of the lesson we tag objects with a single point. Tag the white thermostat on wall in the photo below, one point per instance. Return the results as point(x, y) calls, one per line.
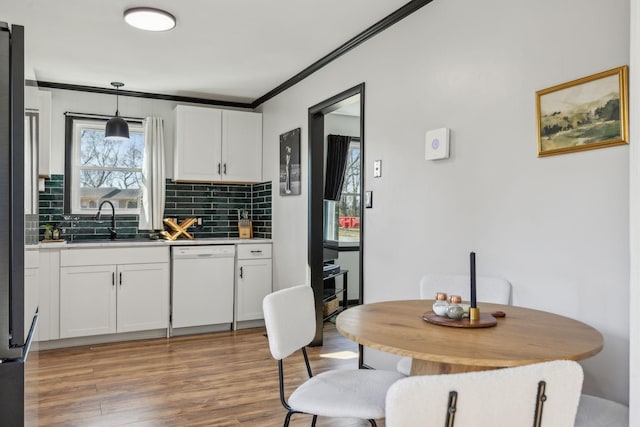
point(436, 144)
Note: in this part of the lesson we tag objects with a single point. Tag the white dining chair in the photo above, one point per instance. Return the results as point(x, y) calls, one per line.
point(543, 394)
point(598, 412)
point(488, 289)
point(290, 320)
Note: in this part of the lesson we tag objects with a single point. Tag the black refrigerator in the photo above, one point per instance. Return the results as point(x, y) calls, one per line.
point(15, 331)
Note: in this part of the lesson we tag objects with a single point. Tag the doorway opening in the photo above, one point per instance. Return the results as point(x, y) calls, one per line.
point(335, 209)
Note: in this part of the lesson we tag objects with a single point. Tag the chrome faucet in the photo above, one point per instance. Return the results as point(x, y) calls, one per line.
point(112, 229)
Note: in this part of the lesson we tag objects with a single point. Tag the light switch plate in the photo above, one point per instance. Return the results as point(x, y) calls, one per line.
point(377, 168)
point(436, 144)
point(368, 199)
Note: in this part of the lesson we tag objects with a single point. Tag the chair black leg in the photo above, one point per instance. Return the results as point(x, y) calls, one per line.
point(373, 423)
point(287, 419)
point(313, 422)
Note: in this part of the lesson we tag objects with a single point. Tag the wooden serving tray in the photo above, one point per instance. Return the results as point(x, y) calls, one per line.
point(486, 320)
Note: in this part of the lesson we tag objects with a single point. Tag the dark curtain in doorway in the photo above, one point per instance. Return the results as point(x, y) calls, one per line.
point(337, 152)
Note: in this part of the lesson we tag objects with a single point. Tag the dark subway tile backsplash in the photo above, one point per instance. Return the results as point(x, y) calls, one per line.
point(216, 204)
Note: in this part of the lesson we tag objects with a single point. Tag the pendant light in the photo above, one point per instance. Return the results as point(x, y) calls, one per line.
point(117, 129)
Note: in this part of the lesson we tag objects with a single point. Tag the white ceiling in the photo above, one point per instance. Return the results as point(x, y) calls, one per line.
point(234, 50)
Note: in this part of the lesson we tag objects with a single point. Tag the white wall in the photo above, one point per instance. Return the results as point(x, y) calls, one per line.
point(634, 200)
point(557, 228)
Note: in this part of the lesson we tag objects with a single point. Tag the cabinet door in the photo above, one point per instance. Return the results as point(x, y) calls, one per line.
point(87, 301)
point(198, 137)
point(44, 140)
point(254, 283)
point(143, 297)
point(241, 146)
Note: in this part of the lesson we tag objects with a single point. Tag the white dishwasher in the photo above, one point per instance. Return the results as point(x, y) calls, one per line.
point(202, 285)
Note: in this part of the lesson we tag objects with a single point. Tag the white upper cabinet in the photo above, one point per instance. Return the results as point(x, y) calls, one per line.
point(38, 103)
point(44, 140)
point(213, 145)
point(197, 143)
point(241, 146)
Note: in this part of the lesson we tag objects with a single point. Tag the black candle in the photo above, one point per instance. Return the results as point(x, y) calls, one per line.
point(472, 257)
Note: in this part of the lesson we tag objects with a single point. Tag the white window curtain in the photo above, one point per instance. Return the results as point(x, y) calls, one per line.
point(153, 172)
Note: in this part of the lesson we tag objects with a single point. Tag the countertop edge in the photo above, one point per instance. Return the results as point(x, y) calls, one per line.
point(145, 243)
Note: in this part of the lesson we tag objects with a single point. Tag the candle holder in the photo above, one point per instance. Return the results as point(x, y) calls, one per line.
point(474, 313)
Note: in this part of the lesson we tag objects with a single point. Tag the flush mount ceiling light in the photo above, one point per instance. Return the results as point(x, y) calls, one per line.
point(149, 19)
point(116, 129)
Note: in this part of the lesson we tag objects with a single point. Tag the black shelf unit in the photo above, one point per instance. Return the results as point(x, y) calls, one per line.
point(329, 293)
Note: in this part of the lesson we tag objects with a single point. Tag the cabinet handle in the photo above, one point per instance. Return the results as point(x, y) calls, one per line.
point(256, 252)
point(225, 168)
point(113, 279)
point(120, 278)
point(218, 168)
point(241, 272)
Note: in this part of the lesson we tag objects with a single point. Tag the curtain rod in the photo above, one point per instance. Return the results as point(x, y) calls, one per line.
point(101, 116)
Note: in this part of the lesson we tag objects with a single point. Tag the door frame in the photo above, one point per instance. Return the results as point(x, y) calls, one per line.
point(316, 196)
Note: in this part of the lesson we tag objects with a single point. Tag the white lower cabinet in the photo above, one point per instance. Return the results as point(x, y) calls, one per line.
point(31, 289)
point(253, 281)
point(87, 301)
point(113, 298)
point(143, 297)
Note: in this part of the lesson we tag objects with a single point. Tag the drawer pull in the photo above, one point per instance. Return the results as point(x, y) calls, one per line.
point(256, 252)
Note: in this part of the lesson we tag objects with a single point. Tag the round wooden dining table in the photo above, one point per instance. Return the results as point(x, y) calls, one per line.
point(522, 337)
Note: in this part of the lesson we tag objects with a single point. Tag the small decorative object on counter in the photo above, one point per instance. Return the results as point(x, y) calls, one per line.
point(178, 230)
point(51, 234)
point(245, 227)
point(48, 232)
point(441, 305)
point(455, 310)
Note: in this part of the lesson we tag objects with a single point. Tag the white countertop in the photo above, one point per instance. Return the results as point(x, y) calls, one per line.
point(142, 242)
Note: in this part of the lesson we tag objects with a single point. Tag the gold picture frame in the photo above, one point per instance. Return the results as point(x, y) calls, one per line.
point(584, 114)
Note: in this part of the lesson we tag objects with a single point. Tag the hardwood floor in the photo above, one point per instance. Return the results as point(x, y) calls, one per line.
point(220, 379)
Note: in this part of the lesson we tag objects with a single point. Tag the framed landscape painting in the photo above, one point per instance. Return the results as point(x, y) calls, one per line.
point(584, 114)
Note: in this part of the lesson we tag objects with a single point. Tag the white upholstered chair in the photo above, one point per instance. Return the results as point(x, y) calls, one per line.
point(542, 394)
point(598, 412)
point(488, 289)
point(290, 320)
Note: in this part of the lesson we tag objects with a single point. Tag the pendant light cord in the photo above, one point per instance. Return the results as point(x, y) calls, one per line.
point(117, 85)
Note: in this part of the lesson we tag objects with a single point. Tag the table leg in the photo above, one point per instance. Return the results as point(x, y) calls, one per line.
point(345, 294)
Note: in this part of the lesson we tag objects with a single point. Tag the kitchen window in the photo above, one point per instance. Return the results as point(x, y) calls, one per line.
point(98, 170)
point(342, 217)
